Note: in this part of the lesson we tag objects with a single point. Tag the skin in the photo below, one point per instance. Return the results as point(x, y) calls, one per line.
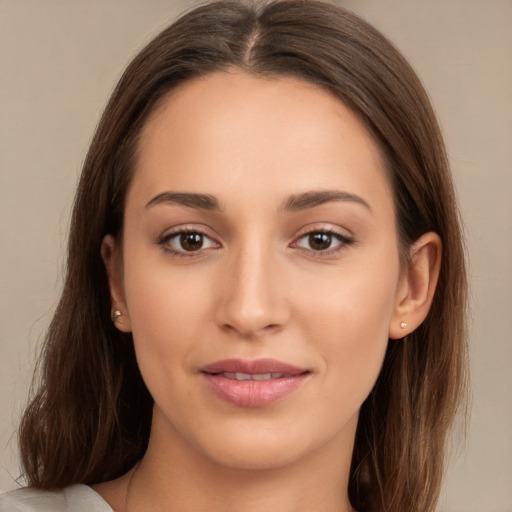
point(257, 287)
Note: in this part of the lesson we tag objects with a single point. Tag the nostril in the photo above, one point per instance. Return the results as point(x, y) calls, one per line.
point(250, 332)
point(251, 310)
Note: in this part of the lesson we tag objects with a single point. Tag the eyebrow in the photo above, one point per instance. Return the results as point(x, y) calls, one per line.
point(311, 199)
point(296, 202)
point(192, 200)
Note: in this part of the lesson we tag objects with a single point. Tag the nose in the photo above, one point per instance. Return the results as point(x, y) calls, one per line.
point(252, 299)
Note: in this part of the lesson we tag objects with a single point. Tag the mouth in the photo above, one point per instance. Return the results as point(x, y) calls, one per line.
point(256, 383)
point(250, 376)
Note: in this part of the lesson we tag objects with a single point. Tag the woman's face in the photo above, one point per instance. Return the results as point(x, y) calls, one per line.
point(259, 269)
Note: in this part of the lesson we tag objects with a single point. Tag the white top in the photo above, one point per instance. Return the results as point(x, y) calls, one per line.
point(75, 498)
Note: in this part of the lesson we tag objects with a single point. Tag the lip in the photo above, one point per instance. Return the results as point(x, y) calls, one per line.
point(276, 380)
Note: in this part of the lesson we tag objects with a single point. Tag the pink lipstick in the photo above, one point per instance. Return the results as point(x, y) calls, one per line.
point(254, 383)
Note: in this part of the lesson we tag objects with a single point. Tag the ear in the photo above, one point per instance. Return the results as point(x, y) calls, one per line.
point(112, 258)
point(417, 286)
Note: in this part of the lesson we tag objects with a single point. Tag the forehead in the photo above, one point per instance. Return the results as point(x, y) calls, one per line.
point(229, 129)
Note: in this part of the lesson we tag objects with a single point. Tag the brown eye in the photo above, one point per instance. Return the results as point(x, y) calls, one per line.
point(191, 241)
point(182, 243)
point(320, 241)
point(323, 242)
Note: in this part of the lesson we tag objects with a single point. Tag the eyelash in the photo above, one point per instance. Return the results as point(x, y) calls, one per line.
point(343, 240)
point(164, 241)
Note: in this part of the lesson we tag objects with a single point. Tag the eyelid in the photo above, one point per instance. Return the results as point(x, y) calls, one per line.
point(344, 239)
point(324, 227)
point(168, 235)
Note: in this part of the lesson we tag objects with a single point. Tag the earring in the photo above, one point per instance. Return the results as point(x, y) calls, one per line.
point(115, 315)
point(403, 325)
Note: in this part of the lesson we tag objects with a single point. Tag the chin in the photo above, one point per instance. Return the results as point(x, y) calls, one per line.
point(256, 456)
point(261, 446)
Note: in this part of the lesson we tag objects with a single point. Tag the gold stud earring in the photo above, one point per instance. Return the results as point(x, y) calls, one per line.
point(115, 315)
point(403, 325)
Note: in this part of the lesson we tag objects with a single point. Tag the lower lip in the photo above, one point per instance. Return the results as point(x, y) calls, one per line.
point(253, 393)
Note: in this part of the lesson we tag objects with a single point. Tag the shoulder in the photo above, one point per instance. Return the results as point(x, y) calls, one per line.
point(76, 498)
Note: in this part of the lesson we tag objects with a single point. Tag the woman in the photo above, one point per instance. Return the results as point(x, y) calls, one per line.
point(265, 293)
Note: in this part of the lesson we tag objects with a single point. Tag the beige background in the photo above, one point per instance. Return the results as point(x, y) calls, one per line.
point(59, 60)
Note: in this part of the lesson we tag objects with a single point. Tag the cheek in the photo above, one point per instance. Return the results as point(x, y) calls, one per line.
point(167, 311)
point(351, 325)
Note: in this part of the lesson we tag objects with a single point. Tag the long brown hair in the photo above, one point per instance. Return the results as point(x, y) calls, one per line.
point(90, 418)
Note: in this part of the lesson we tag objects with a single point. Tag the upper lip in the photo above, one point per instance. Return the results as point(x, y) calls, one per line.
point(254, 367)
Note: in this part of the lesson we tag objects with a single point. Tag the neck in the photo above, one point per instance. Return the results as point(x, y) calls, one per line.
point(172, 477)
